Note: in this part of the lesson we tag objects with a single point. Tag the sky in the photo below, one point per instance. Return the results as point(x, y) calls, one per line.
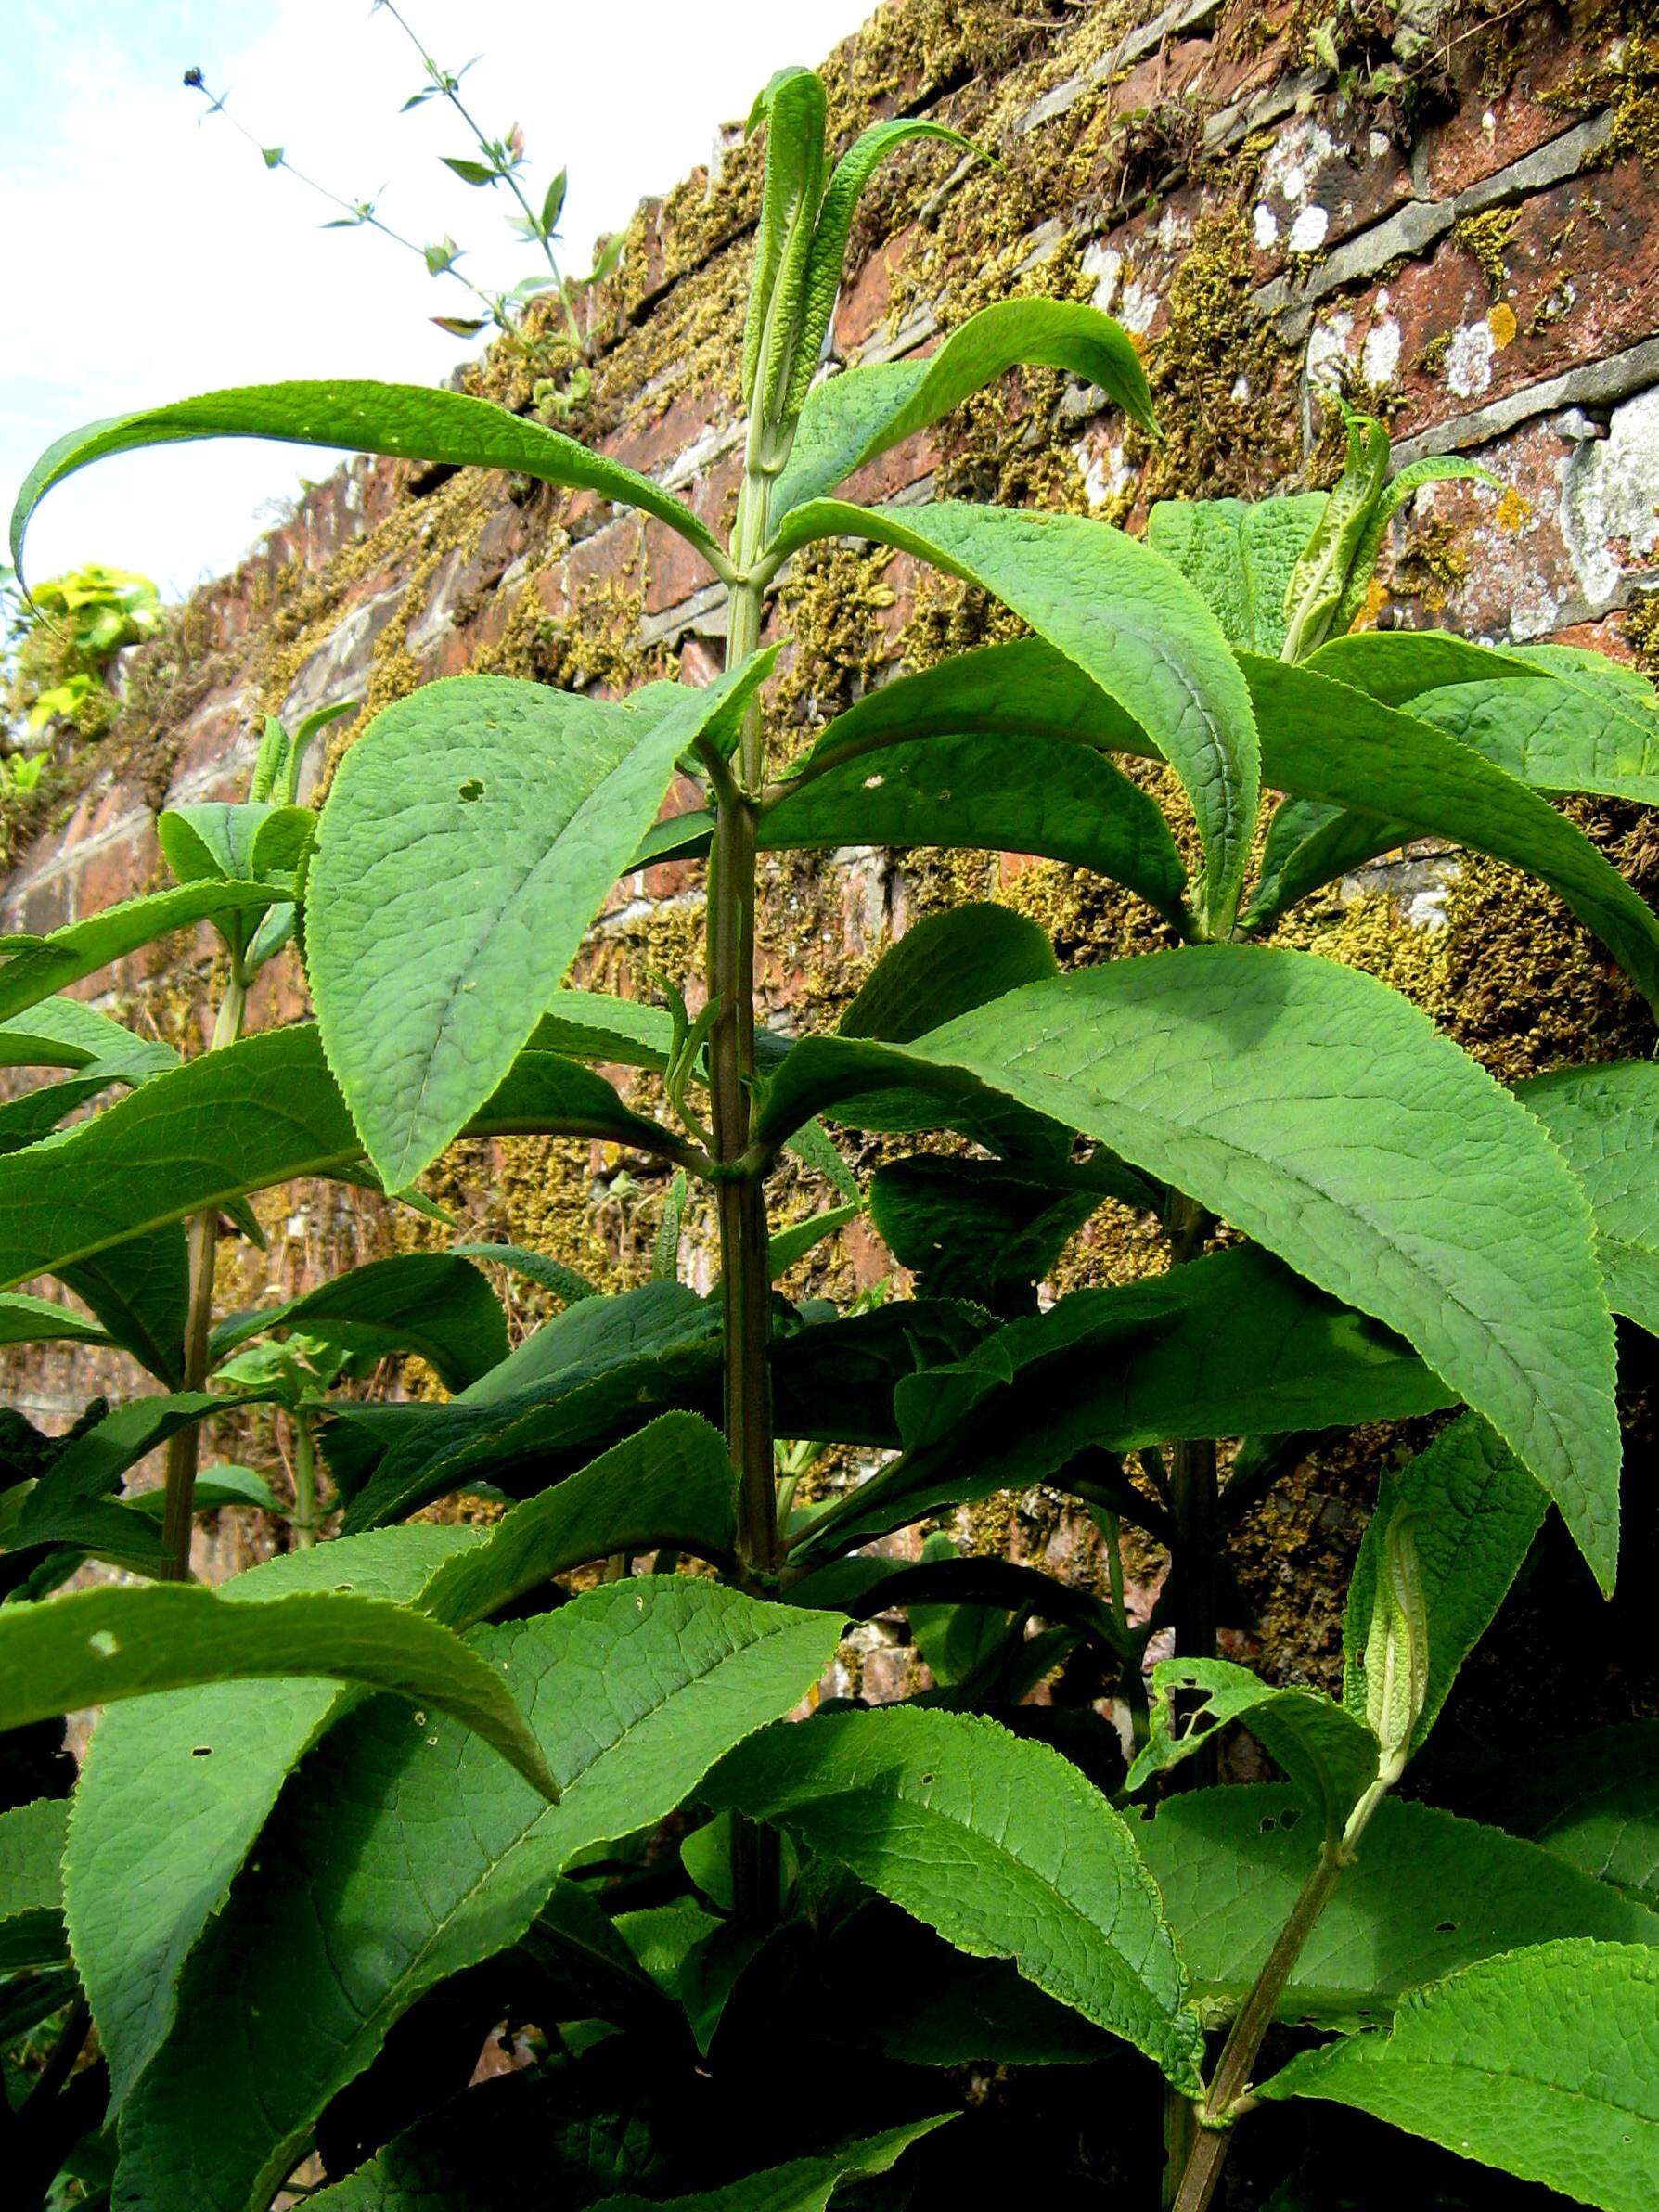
point(151, 255)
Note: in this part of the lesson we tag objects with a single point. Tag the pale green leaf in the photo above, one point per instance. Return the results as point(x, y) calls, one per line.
point(96, 1646)
point(47, 964)
point(317, 1954)
point(1321, 741)
point(1475, 1513)
point(176, 1789)
point(32, 1838)
point(1240, 554)
point(411, 420)
point(65, 1033)
point(1605, 1120)
point(469, 839)
point(851, 418)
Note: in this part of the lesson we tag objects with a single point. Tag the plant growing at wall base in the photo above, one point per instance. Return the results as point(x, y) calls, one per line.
point(295, 1909)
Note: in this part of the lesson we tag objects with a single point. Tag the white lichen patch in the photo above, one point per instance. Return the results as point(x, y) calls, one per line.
point(1307, 232)
point(1264, 224)
point(1469, 359)
point(1610, 501)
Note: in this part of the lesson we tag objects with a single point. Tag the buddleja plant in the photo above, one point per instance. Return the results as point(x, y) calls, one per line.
point(409, 1791)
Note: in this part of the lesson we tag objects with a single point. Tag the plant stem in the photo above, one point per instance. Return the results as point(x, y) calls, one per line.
point(183, 1451)
point(1194, 1498)
point(305, 1480)
point(1223, 2102)
point(745, 1289)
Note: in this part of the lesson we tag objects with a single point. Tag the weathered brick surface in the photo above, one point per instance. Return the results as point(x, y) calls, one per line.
point(1466, 245)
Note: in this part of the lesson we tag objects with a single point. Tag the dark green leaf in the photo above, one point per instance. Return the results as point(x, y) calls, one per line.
point(1233, 1344)
point(804, 2185)
point(1593, 1803)
point(1326, 1754)
point(261, 1111)
point(999, 1844)
point(1430, 1892)
point(63, 1033)
point(535, 1266)
point(431, 1303)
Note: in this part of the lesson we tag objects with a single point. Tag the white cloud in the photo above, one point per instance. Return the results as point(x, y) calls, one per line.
point(148, 258)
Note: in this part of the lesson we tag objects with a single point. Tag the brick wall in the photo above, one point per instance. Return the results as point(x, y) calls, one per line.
point(1441, 212)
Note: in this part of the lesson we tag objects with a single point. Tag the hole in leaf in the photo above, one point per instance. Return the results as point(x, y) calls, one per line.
point(1290, 1815)
point(103, 1645)
point(927, 1780)
point(1268, 1823)
point(472, 789)
point(201, 1751)
point(1446, 1927)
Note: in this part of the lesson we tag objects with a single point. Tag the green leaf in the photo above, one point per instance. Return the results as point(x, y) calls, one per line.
point(240, 842)
point(1605, 1121)
point(802, 1237)
point(431, 1303)
point(804, 2185)
point(1126, 617)
point(791, 105)
point(1475, 1511)
point(997, 1843)
point(1328, 1756)
point(412, 420)
point(600, 1366)
point(216, 1487)
point(966, 1228)
point(1594, 729)
point(1594, 1802)
point(38, 1321)
point(851, 418)
point(261, 1111)
point(26, 1120)
point(1324, 742)
point(535, 1266)
point(176, 1789)
point(32, 1838)
point(1540, 2064)
point(853, 172)
point(1433, 468)
point(947, 964)
point(1393, 666)
point(1430, 1892)
point(1240, 554)
point(491, 2149)
point(1056, 800)
point(952, 1639)
point(1321, 1114)
point(399, 1862)
point(62, 1033)
point(43, 965)
point(672, 1483)
point(97, 1646)
point(590, 1026)
point(139, 1289)
point(1233, 1345)
point(467, 841)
